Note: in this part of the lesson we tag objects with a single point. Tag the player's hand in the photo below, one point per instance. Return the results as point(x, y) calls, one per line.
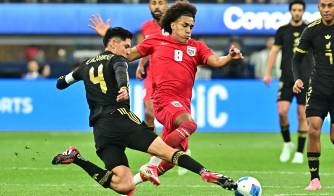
point(235, 53)
point(123, 94)
point(267, 79)
point(298, 86)
point(140, 72)
point(99, 25)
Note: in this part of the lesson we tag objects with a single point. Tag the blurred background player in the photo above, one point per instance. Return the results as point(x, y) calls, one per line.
point(287, 39)
point(173, 68)
point(318, 36)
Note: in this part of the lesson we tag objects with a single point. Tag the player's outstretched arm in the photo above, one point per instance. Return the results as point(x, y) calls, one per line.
point(69, 79)
point(97, 24)
point(216, 61)
point(271, 61)
point(102, 28)
point(65, 81)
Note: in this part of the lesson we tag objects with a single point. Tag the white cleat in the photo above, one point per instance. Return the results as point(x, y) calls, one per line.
point(298, 158)
point(286, 152)
point(180, 170)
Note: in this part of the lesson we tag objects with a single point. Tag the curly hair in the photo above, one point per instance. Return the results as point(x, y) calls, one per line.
point(181, 8)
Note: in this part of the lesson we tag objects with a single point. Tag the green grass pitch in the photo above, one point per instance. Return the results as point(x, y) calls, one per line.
point(25, 165)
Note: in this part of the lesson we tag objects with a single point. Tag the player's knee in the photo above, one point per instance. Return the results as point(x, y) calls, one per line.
point(314, 132)
point(283, 112)
point(189, 126)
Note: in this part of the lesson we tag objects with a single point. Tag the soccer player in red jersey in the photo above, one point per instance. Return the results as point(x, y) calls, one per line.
point(173, 66)
point(149, 28)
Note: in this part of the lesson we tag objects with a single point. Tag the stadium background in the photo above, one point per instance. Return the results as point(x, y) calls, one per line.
point(225, 99)
point(236, 113)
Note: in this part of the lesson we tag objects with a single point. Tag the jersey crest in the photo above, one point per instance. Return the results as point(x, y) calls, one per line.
point(191, 51)
point(176, 104)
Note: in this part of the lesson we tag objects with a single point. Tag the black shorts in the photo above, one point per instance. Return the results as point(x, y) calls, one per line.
point(285, 92)
point(118, 130)
point(320, 99)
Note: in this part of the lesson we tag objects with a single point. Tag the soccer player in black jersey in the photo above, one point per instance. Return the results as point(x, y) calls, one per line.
point(115, 127)
point(317, 36)
point(286, 39)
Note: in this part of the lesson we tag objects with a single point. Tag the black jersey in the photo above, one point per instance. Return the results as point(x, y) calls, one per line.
point(287, 38)
point(319, 37)
point(101, 82)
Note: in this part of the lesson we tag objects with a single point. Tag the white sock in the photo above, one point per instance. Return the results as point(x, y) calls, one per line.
point(154, 161)
point(137, 179)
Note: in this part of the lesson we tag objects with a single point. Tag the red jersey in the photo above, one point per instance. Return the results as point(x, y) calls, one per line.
point(173, 64)
point(150, 27)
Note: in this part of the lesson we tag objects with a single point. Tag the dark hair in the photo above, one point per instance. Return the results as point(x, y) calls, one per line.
point(181, 8)
point(301, 2)
point(120, 32)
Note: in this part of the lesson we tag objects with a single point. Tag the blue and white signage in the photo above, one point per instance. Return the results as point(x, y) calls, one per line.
point(211, 18)
point(217, 106)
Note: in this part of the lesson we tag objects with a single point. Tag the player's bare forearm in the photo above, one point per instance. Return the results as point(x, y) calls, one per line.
point(216, 61)
point(271, 59)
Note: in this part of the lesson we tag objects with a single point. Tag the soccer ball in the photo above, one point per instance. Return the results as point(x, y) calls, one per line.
point(248, 186)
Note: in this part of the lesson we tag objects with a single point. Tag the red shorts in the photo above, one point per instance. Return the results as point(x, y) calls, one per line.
point(148, 89)
point(166, 111)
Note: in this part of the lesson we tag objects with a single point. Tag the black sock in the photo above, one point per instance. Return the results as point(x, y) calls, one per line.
point(285, 133)
point(183, 160)
point(100, 175)
point(301, 140)
point(313, 164)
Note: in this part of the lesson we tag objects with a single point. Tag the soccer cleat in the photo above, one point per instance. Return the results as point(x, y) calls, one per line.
point(150, 173)
point(219, 179)
point(286, 152)
point(298, 158)
point(66, 157)
point(314, 185)
point(180, 170)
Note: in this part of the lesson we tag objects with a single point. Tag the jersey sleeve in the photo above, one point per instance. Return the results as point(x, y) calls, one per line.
point(77, 72)
point(279, 37)
point(120, 66)
point(203, 53)
point(300, 51)
point(305, 41)
point(145, 47)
